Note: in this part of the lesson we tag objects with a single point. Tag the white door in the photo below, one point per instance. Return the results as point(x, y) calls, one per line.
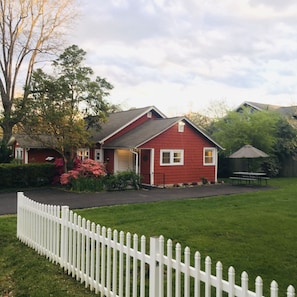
point(123, 160)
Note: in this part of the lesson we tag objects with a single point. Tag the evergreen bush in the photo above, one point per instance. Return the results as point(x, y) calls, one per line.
point(26, 175)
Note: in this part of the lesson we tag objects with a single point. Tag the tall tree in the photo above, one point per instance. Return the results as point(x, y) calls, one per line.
point(28, 29)
point(237, 129)
point(266, 130)
point(65, 105)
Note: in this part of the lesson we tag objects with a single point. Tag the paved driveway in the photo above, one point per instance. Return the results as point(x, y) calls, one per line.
point(8, 201)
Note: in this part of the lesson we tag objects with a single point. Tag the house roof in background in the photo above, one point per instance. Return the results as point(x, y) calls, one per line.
point(287, 111)
point(119, 120)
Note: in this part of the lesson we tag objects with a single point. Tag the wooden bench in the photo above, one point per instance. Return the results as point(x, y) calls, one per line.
point(240, 179)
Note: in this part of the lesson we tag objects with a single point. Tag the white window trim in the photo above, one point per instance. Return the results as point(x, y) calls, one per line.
point(19, 153)
point(85, 153)
point(171, 151)
point(214, 153)
point(100, 154)
point(181, 127)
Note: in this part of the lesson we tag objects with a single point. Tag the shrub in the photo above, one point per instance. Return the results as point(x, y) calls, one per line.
point(82, 184)
point(204, 180)
point(86, 176)
point(90, 176)
point(271, 167)
point(122, 181)
point(27, 175)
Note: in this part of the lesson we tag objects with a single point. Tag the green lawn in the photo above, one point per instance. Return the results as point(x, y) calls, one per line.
point(255, 232)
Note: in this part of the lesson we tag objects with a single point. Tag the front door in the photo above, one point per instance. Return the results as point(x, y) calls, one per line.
point(145, 166)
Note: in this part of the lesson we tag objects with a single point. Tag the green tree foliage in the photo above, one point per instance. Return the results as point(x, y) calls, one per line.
point(286, 145)
point(64, 105)
point(237, 129)
point(266, 130)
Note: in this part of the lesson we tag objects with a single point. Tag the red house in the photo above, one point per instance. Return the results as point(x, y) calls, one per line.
point(164, 151)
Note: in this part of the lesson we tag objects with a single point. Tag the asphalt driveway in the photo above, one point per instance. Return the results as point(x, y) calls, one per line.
point(55, 196)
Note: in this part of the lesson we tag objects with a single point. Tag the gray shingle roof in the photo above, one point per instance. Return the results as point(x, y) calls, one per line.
point(149, 130)
point(36, 141)
point(142, 133)
point(262, 106)
point(119, 120)
point(287, 111)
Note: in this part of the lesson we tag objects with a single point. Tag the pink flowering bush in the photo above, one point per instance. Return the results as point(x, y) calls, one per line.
point(87, 169)
point(90, 175)
point(91, 168)
point(66, 177)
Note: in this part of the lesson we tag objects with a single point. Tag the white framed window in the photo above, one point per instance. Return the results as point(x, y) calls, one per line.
point(19, 153)
point(171, 157)
point(209, 156)
point(98, 155)
point(181, 126)
point(83, 153)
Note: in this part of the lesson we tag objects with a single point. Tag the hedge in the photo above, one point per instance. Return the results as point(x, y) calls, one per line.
point(27, 175)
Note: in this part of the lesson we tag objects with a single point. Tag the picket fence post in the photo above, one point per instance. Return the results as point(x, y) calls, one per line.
point(154, 267)
point(20, 216)
point(64, 236)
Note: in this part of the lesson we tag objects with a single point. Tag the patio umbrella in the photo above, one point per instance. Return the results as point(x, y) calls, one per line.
point(248, 152)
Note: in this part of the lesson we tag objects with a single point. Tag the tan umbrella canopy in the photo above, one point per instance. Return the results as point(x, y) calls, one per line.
point(249, 152)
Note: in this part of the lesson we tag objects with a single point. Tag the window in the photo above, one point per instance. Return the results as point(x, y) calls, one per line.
point(181, 126)
point(83, 154)
point(172, 157)
point(209, 156)
point(19, 153)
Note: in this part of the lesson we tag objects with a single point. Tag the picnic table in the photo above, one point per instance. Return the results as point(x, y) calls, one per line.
point(249, 177)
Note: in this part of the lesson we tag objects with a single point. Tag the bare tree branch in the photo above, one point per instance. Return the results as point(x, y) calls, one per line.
point(28, 29)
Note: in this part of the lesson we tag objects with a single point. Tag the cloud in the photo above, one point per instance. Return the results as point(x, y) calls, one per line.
point(187, 53)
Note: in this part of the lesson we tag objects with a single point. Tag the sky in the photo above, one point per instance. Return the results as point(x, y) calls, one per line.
point(189, 55)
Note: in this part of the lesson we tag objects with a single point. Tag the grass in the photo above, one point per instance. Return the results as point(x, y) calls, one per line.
point(253, 232)
point(25, 273)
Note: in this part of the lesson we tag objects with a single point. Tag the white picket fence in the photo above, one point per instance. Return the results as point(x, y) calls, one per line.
point(115, 264)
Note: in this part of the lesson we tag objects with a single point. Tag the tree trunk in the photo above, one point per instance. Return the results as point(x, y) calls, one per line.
point(7, 127)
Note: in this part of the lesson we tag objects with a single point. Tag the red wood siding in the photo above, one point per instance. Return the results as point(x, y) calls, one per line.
point(192, 143)
point(136, 123)
point(39, 155)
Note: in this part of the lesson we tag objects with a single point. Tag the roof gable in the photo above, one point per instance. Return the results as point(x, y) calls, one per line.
point(120, 120)
point(142, 133)
point(151, 129)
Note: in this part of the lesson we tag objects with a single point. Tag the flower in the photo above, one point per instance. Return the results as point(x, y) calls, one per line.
point(64, 179)
point(86, 168)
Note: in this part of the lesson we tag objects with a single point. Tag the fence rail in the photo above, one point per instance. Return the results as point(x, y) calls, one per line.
point(116, 264)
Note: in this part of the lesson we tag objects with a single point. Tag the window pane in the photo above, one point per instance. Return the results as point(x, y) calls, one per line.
point(166, 157)
point(208, 156)
point(176, 157)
